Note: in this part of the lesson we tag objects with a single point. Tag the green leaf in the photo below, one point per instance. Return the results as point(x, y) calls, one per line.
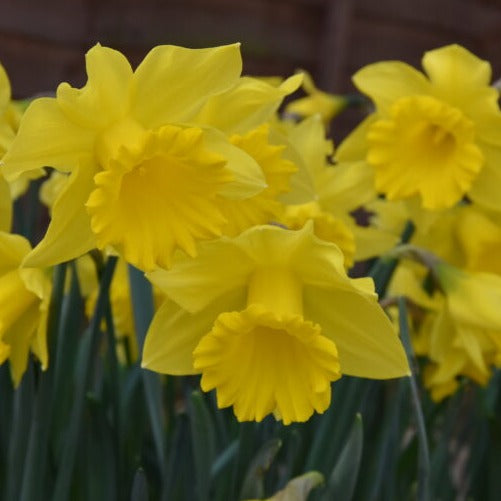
point(142, 306)
point(88, 350)
point(22, 410)
point(299, 488)
point(203, 443)
point(34, 476)
point(224, 459)
point(253, 485)
point(139, 487)
point(342, 481)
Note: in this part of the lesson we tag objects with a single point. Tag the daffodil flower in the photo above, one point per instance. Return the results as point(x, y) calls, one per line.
point(337, 191)
point(270, 319)
point(316, 102)
point(434, 136)
point(24, 301)
point(461, 329)
point(144, 178)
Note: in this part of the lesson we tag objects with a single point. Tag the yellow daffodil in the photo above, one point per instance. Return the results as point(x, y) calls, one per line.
point(143, 177)
point(337, 191)
point(460, 331)
point(24, 301)
point(316, 102)
point(436, 136)
point(270, 319)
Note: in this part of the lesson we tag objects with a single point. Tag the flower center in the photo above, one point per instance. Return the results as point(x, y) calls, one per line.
point(267, 358)
point(157, 193)
point(424, 147)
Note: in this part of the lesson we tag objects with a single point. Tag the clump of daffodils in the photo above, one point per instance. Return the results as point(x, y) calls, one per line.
point(248, 222)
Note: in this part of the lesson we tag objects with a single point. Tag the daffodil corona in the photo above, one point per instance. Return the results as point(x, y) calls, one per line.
point(270, 320)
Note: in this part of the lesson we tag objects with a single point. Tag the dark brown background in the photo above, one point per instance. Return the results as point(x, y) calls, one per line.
point(42, 42)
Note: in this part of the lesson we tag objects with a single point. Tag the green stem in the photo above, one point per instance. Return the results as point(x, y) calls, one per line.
point(423, 493)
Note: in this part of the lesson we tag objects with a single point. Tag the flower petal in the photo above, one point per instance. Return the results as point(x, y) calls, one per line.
point(461, 78)
point(69, 234)
point(174, 333)
point(220, 267)
point(19, 337)
point(367, 343)
point(485, 187)
point(247, 105)
point(387, 81)
point(172, 83)
point(249, 178)
point(5, 205)
point(472, 298)
point(4, 89)
point(345, 187)
point(354, 147)
point(105, 97)
point(454, 67)
point(13, 248)
point(59, 143)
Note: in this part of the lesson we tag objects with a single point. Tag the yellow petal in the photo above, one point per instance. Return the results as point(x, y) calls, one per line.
point(462, 79)
point(308, 137)
point(220, 267)
point(453, 67)
point(263, 207)
point(345, 187)
point(39, 341)
point(69, 234)
point(174, 333)
point(5, 205)
point(172, 83)
point(372, 242)
point(13, 248)
point(314, 261)
point(387, 81)
point(247, 105)
point(485, 188)
point(354, 147)
point(4, 88)
point(105, 98)
point(248, 176)
point(4, 352)
point(367, 342)
point(473, 298)
point(59, 143)
point(316, 102)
